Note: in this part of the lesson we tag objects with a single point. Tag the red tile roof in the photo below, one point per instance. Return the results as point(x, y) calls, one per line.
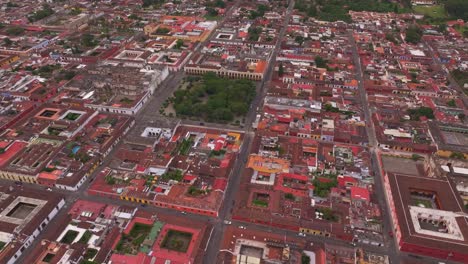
point(11, 151)
point(359, 193)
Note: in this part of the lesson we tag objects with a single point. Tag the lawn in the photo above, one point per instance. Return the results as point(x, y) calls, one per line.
point(212, 18)
point(176, 240)
point(69, 237)
point(436, 11)
point(85, 237)
point(126, 100)
point(48, 257)
point(72, 116)
point(90, 253)
point(260, 203)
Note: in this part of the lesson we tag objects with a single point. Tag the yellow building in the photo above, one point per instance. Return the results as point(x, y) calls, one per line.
point(7, 59)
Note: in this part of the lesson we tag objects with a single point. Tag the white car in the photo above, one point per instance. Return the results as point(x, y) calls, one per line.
point(227, 222)
point(301, 234)
point(242, 227)
point(49, 189)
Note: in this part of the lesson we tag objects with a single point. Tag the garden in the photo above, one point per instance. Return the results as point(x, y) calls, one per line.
point(69, 237)
point(211, 98)
point(261, 199)
point(176, 240)
point(130, 244)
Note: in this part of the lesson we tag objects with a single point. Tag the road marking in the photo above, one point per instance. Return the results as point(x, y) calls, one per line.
point(209, 238)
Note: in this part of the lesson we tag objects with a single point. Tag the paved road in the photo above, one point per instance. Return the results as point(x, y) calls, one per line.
point(391, 247)
point(150, 114)
point(234, 181)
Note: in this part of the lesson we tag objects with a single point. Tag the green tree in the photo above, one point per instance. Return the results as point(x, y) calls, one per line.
point(148, 3)
point(457, 8)
point(305, 259)
point(299, 40)
point(239, 108)
point(320, 62)
point(442, 28)
point(281, 70)
point(220, 4)
point(452, 103)
point(413, 34)
point(7, 41)
point(40, 14)
point(416, 113)
point(133, 17)
point(162, 31)
point(179, 44)
point(211, 11)
point(88, 40)
point(15, 31)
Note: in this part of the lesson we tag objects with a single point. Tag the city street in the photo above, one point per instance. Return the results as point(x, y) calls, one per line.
point(391, 248)
point(149, 116)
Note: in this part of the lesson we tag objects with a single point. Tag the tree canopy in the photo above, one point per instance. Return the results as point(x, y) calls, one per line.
point(413, 34)
point(417, 113)
point(40, 14)
point(457, 8)
point(215, 99)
